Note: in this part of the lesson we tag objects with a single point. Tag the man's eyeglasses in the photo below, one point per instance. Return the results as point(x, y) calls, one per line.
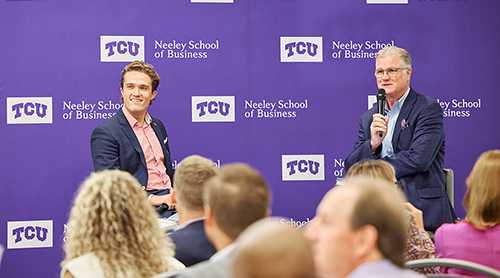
point(390, 71)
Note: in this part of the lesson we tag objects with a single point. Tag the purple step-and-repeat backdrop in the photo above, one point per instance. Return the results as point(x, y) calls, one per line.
point(278, 84)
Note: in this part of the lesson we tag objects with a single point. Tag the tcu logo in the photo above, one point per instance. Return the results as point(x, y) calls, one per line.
point(301, 49)
point(303, 167)
point(36, 110)
point(213, 109)
point(29, 234)
point(29, 109)
point(122, 48)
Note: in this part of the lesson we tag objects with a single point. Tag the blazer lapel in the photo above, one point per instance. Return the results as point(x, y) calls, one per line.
point(160, 137)
point(129, 132)
point(403, 116)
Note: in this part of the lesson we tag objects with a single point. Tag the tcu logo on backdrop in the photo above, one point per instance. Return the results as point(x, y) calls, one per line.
point(29, 110)
point(303, 167)
point(212, 109)
point(122, 48)
point(29, 234)
point(301, 49)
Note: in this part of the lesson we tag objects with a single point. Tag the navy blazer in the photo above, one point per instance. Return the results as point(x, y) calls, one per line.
point(419, 147)
point(191, 244)
point(114, 146)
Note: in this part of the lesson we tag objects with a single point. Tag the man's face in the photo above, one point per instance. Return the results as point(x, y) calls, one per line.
point(331, 234)
point(395, 86)
point(137, 92)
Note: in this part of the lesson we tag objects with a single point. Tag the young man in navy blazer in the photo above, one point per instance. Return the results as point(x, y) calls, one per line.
point(412, 138)
point(191, 243)
point(132, 140)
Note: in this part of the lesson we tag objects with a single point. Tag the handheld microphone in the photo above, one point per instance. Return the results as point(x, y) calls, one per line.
point(381, 104)
point(161, 208)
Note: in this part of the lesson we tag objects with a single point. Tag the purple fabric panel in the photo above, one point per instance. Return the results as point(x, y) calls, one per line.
point(51, 55)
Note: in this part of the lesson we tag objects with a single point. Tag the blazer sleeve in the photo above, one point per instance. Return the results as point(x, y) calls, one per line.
point(105, 150)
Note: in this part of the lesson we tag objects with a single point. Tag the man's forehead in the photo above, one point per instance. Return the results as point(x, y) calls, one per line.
point(341, 196)
point(131, 73)
point(389, 58)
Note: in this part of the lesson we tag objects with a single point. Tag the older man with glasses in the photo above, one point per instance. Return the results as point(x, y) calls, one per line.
point(410, 137)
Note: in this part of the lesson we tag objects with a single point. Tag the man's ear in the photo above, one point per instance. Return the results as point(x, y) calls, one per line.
point(174, 196)
point(408, 71)
point(366, 241)
point(209, 217)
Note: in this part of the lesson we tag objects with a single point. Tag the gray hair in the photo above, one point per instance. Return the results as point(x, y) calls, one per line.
point(397, 51)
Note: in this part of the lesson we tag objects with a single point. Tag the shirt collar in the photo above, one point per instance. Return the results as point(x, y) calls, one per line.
point(224, 252)
point(185, 224)
point(132, 121)
point(398, 103)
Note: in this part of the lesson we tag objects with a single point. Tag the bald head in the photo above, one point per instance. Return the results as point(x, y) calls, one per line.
point(269, 249)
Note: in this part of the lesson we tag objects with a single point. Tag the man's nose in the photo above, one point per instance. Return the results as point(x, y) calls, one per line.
point(135, 91)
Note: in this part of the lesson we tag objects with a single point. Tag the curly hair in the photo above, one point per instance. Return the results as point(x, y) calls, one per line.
point(112, 218)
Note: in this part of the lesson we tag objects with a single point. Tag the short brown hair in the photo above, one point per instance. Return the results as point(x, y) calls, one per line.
point(381, 206)
point(373, 168)
point(238, 196)
point(190, 178)
point(482, 199)
point(145, 68)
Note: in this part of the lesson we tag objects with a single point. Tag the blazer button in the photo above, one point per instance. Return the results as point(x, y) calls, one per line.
point(143, 188)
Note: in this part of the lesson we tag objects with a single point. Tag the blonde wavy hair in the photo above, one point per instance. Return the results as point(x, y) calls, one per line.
point(112, 218)
point(482, 199)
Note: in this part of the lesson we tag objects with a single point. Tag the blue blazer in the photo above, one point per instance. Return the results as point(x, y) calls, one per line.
point(419, 146)
point(114, 146)
point(191, 244)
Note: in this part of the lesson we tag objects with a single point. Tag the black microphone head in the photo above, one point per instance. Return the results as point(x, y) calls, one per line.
point(380, 94)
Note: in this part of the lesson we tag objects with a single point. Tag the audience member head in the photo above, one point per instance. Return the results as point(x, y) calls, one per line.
point(373, 168)
point(235, 198)
point(359, 222)
point(269, 249)
point(112, 218)
point(189, 180)
point(482, 199)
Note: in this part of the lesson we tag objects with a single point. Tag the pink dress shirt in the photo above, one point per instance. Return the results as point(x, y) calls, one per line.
point(153, 153)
